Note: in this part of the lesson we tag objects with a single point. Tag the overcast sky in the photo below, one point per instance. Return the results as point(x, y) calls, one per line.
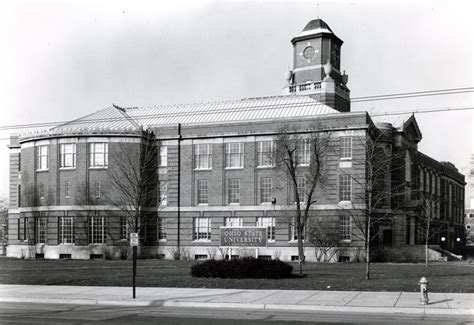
point(60, 60)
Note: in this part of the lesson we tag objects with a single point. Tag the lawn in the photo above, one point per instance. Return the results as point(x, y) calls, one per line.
point(443, 277)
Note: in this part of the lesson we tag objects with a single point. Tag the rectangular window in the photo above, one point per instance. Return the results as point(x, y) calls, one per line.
point(97, 189)
point(302, 152)
point(162, 229)
point(41, 191)
point(234, 190)
point(346, 147)
point(163, 156)
point(202, 192)
point(268, 222)
point(67, 155)
point(202, 229)
point(301, 188)
point(99, 154)
point(19, 233)
point(234, 155)
point(67, 189)
point(294, 230)
point(42, 157)
point(265, 153)
point(265, 190)
point(163, 193)
point(19, 195)
point(25, 228)
point(232, 222)
point(345, 227)
point(96, 230)
point(123, 228)
point(66, 228)
point(202, 156)
point(345, 188)
point(41, 230)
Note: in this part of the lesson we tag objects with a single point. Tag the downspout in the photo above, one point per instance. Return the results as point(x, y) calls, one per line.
point(179, 187)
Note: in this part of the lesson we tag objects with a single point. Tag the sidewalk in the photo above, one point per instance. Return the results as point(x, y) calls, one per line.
point(328, 301)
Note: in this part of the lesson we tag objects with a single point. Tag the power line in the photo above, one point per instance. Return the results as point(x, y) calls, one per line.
point(187, 113)
point(419, 111)
point(447, 91)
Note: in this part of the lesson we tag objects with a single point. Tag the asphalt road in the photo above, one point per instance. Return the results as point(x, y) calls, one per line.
point(18, 313)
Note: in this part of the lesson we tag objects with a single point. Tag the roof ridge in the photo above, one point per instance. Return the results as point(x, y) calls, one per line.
point(224, 101)
point(127, 117)
point(80, 118)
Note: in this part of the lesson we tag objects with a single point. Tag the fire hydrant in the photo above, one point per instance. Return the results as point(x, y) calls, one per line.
point(423, 290)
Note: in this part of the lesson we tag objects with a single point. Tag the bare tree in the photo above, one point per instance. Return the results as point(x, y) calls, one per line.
point(377, 191)
point(428, 224)
point(302, 157)
point(134, 179)
point(324, 235)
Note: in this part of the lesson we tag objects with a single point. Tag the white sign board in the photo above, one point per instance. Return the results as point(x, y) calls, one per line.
point(133, 239)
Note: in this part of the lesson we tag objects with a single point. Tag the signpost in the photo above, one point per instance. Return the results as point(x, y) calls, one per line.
point(134, 244)
point(243, 237)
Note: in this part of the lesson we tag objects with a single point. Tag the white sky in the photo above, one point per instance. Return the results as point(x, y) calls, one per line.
point(60, 60)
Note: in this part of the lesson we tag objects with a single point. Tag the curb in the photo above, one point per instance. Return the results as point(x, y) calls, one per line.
point(421, 311)
point(347, 309)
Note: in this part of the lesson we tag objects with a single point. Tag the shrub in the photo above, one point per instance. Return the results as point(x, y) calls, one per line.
point(384, 254)
point(247, 267)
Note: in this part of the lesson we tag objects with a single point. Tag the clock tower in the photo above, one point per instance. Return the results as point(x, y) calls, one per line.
point(317, 67)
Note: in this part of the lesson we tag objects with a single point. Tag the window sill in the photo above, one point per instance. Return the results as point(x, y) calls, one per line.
point(234, 204)
point(42, 170)
point(201, 241)
point(345, 241)
point(98, 167)
point(203, 169)
point(345, 158)
point(203, 204)
point(265, 167)
point(345, 202)
point(234, 168)
point(67, 168)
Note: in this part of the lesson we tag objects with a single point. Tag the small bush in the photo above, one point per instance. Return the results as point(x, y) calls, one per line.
point(247, 267)
point(383, 254)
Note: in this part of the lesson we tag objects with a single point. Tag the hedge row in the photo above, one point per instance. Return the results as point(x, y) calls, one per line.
point(247, 267)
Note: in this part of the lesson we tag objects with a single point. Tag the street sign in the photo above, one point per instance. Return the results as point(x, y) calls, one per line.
point(133, 239)
point(243, 236)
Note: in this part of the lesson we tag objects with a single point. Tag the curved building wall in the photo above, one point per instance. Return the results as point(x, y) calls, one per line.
point(66, 206)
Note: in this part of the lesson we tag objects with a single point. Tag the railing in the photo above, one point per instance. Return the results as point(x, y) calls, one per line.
point(300, 88)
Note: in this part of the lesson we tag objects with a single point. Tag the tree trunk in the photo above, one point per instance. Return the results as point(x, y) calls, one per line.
point(367, 249)
point(300, 250)
point(426, 245)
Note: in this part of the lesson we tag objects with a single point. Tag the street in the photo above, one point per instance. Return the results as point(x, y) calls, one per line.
point(27, 313)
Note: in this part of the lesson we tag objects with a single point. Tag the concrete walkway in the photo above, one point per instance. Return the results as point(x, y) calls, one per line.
point(328, 301)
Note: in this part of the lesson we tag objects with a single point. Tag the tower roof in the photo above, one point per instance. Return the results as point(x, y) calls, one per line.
point(314, 28)
point(317, 26)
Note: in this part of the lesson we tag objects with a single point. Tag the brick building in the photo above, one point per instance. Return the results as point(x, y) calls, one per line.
point(213, 169)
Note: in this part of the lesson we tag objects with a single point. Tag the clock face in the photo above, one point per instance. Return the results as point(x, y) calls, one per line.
point(308, 52)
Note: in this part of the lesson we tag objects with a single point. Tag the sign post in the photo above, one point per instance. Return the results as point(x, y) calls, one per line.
point(134, 244)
